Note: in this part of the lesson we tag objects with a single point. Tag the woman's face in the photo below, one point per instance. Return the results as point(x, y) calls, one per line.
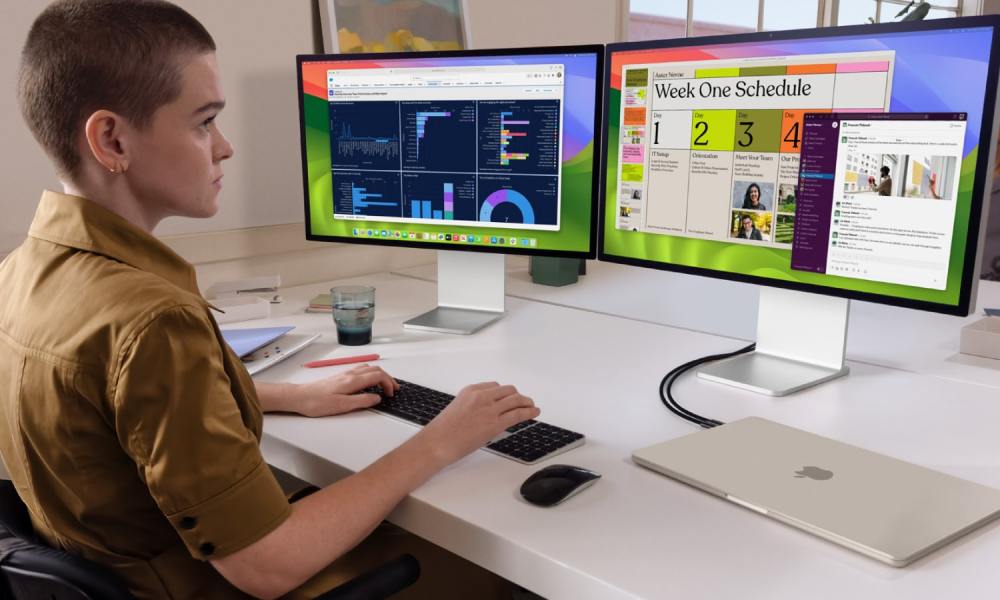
point(754, 195)
point(176, 167)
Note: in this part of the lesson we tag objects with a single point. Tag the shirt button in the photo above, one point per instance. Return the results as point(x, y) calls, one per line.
point(188, 522)
point(207, 548)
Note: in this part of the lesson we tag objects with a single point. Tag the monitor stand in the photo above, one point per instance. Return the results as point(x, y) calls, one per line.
point(801, 340)
point(470, 293)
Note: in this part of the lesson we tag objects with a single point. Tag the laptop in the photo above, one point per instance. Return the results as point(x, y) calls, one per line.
point(885, 508)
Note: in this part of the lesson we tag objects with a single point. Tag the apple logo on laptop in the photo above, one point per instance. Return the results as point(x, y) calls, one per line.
point(814, 473)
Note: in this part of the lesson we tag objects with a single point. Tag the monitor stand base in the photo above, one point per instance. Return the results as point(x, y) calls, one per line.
point(801, 341)
point(767, 374)
point(470, 293)
point(445, 319)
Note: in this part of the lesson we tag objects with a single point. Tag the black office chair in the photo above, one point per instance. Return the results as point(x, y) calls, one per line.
point(31, 570)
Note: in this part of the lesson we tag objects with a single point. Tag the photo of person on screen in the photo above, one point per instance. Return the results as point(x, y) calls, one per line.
point(884, 187)
point(748, 231)
point(752, 198)
point(932, 185)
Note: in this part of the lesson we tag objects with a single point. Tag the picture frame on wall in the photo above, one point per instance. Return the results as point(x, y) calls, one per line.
point(352, 26)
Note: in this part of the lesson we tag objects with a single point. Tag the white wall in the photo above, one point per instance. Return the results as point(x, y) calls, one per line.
point(495, 24)
point(24, 170)
point(257, 42)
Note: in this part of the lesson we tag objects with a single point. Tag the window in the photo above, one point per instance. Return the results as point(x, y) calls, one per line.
point(657, 19)
point(854, 12)
point(665, 19)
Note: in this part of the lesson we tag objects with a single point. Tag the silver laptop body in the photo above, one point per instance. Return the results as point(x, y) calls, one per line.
point(885, 508)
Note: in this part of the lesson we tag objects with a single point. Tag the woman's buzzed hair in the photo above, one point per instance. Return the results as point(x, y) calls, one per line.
point(86, 55)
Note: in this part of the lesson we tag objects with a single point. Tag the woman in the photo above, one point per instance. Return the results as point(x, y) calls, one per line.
point(130, 429)
point(751, 198)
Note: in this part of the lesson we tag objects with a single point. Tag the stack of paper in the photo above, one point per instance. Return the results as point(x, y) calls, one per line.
point(320, 303)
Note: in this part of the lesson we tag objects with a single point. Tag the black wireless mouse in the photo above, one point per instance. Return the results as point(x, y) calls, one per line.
point(555, 483)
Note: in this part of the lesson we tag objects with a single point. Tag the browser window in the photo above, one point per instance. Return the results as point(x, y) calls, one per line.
point(448, 145)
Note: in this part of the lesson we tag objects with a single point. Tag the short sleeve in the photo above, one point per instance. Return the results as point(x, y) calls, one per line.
point(176, 416)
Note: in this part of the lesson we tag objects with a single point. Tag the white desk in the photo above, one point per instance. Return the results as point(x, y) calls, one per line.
point(887, 336)
point(636, 533)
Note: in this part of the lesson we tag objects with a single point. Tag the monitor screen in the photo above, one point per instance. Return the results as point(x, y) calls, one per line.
point(769, 158)
point(473, 150)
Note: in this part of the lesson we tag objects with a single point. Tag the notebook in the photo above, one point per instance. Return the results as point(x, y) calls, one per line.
point(245, 341)
point(262, 347)
point(885, 508)
point(278, 350)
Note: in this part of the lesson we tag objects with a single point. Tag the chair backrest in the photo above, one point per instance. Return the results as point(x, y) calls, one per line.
point(29, 569)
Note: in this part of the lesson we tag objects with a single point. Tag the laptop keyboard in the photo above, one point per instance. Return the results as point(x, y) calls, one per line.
point(527, 442)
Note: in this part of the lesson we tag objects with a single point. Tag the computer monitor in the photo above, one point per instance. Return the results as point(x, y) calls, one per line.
point(824, 165)
point(476, 153)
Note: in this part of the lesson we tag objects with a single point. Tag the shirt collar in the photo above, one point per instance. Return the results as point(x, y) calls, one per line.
point(76, 222)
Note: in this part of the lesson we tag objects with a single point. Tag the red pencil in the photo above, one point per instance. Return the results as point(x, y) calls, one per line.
point(346, 360)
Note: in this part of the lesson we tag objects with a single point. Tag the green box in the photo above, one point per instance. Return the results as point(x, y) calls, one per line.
point(713, 129)
point(636, 77)
point(759, 71)
point(631, 172)
point(547, 270)
point(758, 131)
point(720, 72)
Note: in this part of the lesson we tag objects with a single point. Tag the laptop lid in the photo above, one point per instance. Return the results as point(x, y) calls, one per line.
point(883, 507)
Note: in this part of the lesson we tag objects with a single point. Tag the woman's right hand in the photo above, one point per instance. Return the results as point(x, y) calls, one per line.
point(479, 413)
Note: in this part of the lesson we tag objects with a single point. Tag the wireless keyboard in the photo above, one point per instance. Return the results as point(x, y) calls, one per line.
point(527, 442)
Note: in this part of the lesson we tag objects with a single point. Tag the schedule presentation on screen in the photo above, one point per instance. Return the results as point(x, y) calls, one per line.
point(710, 149)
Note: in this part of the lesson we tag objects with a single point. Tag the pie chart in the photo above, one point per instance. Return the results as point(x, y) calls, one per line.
point(510, 197)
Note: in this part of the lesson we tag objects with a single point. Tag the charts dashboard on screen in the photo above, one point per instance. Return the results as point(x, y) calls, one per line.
point(478, 150)
point(847, 161)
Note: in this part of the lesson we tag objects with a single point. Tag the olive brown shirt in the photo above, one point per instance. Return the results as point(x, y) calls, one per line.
point(128, 426)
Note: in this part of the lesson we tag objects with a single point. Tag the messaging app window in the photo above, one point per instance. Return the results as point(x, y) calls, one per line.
point(877, 196)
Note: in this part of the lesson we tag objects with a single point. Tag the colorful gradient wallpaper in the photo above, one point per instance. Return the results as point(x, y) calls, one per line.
point(941, 70)
point(578, 196)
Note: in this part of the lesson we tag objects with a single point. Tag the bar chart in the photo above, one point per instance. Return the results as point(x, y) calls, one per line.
point(364, 135)
point(421, 119)
point(438, 136)
point(364, 193)
point(506, 134)
point(518, 136)
point(440, 196)
point(421, 209)
point(384, 147)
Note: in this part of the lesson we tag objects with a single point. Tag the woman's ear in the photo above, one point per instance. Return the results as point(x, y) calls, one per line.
point(104, 133)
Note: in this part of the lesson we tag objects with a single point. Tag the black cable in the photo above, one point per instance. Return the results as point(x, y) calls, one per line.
point(668, 381)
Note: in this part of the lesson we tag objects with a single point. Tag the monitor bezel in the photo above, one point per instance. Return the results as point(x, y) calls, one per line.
point(982, 173)
point(598, 50)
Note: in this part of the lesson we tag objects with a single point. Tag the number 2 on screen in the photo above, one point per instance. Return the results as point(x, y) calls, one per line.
point(700, 139)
